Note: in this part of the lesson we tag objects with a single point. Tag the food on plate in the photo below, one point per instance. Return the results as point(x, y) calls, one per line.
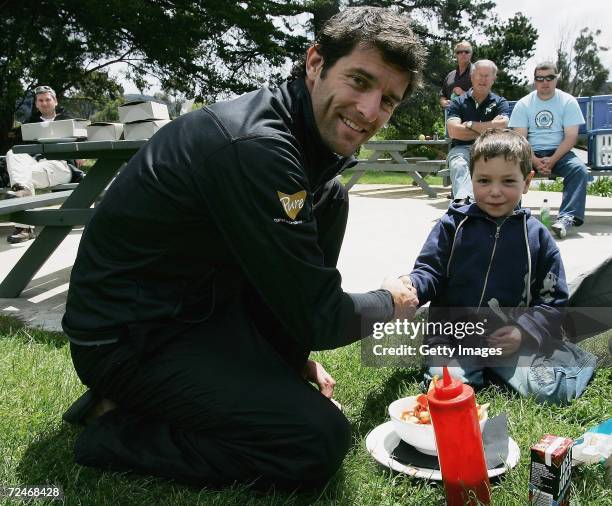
point(420, 413)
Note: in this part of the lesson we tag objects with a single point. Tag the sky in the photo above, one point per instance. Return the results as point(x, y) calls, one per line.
point(552, 19)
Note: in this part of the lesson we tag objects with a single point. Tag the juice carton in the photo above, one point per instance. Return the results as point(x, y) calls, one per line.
point(551, 471)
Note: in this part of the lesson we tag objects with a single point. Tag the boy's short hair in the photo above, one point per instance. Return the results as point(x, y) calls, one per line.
point(502, 142)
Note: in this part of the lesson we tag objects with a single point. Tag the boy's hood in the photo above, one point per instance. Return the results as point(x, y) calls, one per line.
point(472, 210)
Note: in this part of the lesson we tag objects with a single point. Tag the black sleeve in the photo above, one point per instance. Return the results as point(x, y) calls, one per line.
point(258, 196)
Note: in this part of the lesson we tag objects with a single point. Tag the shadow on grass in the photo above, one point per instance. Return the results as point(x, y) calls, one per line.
point(49, 460)
point(376, 402)
point(11, 327)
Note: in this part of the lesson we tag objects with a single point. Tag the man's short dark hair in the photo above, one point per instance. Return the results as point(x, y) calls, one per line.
point(502, 142)
point(546, 65)
point(370, 27)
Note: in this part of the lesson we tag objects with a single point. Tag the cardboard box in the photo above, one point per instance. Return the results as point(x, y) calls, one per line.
point(142, 129)
point(551, 471)
point(139, 110)
point(102, 131)
point(64, 128)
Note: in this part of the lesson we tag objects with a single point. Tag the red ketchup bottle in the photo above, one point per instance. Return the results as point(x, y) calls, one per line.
point(452, 406)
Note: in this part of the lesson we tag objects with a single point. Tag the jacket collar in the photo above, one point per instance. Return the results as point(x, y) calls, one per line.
point(321, 163)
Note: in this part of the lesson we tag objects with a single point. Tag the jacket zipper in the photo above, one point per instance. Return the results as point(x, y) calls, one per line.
point(484, 288)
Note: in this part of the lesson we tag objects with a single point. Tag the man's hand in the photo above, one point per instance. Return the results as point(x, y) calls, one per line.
point(404, 297)
point(79, 163)
point(507, 338)
point(444, 102)
point(543, 165)
point(314, 372)
point(499, 121)
point(458, 90)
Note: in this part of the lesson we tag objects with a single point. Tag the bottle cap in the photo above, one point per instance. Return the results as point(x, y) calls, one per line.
point(448, 387)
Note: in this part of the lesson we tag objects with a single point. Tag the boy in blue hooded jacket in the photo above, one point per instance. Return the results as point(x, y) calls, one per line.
point(492, 254)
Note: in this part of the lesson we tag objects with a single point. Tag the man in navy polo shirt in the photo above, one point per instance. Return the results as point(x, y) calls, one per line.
point(468, 116)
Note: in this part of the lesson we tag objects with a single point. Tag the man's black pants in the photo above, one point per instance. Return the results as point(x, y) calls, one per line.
point(216, 402)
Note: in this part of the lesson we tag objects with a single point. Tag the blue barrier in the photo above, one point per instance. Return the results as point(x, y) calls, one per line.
point(601, 112)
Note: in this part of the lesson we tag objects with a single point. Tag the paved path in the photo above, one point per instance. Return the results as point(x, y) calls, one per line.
point(387, 227)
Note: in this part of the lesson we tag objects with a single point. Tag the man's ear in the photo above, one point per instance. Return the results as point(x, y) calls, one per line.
point(528, 181)
point(314, 62)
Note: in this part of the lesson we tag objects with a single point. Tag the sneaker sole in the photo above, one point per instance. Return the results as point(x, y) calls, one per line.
point(559, 232)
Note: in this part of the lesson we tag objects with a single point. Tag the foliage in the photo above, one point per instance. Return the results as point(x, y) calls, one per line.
point(509, 45)
point(581, 72)
point(200, 48)
point(601, 187)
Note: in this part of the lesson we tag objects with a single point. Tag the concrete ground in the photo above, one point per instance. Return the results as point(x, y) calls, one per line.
point(387, 227)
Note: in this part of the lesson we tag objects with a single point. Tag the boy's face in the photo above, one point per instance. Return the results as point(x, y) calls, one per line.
point(498, 185)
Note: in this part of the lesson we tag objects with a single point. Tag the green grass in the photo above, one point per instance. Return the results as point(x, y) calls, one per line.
point(602, 186)
point(38, 383)
point(379, 177)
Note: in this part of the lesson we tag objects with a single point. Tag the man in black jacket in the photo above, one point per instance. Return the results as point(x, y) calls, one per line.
point(196, 348)
point(27, 173)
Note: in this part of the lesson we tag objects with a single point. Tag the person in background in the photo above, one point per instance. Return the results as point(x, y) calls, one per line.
point(550, 119)
point(27, 173)
point(458, 81)
point(467, 117)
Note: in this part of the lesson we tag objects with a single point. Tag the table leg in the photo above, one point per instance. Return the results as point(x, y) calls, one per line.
point(415, 175)
point(51, 237)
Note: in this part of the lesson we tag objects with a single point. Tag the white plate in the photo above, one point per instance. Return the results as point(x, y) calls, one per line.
point(56, 140)
point(383, 440)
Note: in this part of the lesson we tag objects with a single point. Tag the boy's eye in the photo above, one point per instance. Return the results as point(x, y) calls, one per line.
point(510, 181)
point(482, 180)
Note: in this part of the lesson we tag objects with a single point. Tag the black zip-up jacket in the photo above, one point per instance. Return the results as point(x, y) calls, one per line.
point(217, 200)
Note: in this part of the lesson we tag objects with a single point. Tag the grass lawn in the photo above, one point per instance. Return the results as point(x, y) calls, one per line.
point(378, 177)
point(38, 384)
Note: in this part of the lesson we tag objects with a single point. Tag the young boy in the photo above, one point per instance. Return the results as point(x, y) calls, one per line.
point(492, 254)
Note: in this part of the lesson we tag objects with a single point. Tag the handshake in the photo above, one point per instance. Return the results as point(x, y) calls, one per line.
point(404, 296)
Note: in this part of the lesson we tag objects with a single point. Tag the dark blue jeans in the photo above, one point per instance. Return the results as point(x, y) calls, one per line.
point(575, 177)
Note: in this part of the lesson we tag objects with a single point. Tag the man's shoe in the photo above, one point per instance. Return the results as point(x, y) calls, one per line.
point(562, 225)
point(21, 235)
point(17, 191)
point(87, 408)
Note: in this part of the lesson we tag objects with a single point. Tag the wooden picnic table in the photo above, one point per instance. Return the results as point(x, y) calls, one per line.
point(416, 167)
point(75, 210)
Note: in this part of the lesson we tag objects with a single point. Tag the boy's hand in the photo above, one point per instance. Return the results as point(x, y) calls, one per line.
point(507, 338)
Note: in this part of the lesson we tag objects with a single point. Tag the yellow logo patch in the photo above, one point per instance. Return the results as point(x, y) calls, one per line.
point(292, 204)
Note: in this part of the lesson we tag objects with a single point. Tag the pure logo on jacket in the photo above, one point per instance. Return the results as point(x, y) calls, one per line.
point(292, 204)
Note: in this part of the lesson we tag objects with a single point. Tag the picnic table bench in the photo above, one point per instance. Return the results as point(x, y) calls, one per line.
point(416, 167)
point(75, 203)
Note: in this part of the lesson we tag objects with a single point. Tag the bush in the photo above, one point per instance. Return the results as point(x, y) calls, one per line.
point(602, 186)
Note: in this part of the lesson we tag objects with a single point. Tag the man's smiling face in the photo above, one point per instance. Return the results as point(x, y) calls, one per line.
point(354, 98)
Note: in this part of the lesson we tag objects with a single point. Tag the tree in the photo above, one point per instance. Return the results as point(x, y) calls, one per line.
point(198, 48)
point(509, 45)
point(581, 72)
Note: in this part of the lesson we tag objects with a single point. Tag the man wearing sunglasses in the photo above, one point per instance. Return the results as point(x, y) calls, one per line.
point(458, 81)
point(550, 119)
point(27, 173)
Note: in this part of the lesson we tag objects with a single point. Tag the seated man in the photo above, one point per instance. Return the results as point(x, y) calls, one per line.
point(468, 116)
point(27, 173)
point(550, 119)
